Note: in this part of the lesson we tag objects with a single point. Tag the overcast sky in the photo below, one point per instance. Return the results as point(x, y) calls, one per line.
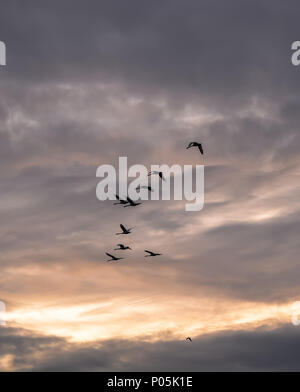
point(89, 81)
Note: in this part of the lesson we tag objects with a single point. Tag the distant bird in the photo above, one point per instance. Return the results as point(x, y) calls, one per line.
point(131, 203)
point(152, 254)
point(120, 201)
point(123, 247)
point(195, 144)
point(190, 339)
point(144, 187)
point(113, 258)
point(124, 230)
point(160, 174)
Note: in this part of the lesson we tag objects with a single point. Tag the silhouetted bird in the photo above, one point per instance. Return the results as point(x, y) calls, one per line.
point(120, 201)
point(195, 144)
point(160, 174)
point(152, 254)
point(132, 203)
point(113, 258)
point(189, 339)
point(124, 230)
point(144, 187)
point(123, 247)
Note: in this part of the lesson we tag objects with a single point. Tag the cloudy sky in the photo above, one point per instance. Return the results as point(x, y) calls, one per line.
point(89, 81)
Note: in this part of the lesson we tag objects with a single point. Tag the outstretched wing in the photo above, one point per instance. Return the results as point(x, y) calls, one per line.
point(150, 253)
point(123, 227)
point(201, 149)
point(129, 200)
point(190, 145)
point(162, 176)
point(120, 245)
point(109, 255)
point(117, 196)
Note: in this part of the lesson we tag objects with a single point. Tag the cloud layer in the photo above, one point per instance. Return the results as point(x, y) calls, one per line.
point(87, 82)
point(261, 350)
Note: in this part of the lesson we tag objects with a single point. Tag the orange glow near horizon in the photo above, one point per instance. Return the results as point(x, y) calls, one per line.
point(147, 318)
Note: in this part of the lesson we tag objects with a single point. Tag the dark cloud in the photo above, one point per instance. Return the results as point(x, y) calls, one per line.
point(207, 47)
point(258, 350)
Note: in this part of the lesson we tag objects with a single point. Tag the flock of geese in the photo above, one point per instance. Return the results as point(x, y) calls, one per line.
point(130, 203)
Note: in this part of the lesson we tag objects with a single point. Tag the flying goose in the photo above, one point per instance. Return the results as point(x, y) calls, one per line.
point(120, 201)
point(144, 187)
point(113, 258)
point(124, 230)
point(152, 254)
point(160, 174)
point(195, 144)
point(131, 203)
point(123, 247)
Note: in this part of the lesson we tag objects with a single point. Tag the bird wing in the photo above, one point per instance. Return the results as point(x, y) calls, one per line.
point(117, 196)
point(129, 200)
point(123, 227)
point(108, 254)
point(190, 145)
point(120, 245)
point(200, 148)
point(162, 176)
point(148, 251)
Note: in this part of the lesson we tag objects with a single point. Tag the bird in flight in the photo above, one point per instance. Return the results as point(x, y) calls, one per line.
point(160, 174)
point(144, 187)
point(131, 203)
point(124, 230)
point(120, 201)
point(123, 247)
point(190, 339)
point(113, 258)
point(195, 144)
point(152, 254)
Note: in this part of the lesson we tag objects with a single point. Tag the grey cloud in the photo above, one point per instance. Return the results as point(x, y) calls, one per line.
point(257, 350)
point(205, 48)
